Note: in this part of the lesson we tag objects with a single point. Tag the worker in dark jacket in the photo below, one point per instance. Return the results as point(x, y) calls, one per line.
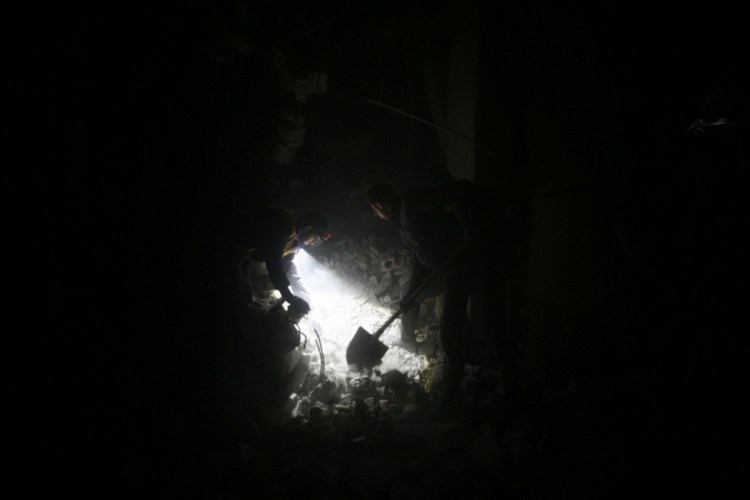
point(438, 223)
point(428, 237)
point(431, 234)
point(490, 241)
point(275, 240)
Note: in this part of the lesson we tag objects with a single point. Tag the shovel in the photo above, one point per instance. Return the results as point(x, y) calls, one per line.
point(365, 350)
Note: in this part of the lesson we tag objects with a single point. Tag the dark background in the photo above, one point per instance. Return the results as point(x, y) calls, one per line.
point(137, 131)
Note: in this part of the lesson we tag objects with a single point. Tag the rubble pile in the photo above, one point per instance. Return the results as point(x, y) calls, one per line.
point(371, 263)
point(332, 432)
point(353, 283)
point(331, 388)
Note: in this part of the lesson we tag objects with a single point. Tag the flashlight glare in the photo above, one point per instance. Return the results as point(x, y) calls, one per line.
point(338, 308)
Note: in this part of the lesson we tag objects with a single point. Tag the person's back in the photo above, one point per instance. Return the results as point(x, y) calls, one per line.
point(269, 231)
point(428, 225)
point(475, 207)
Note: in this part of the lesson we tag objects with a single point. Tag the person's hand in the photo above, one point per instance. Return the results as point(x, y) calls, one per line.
point(298, 307)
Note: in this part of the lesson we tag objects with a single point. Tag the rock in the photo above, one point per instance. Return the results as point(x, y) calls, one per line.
point(428, 349)
point(327, 392)
point(360, 386)
point(401, 272)
point(361, 262)
point(387, 265)
point(395, 380)
point(386, 280)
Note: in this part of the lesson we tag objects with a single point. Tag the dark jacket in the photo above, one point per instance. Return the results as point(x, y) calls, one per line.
point(273, 240)
point(435, 221)
point(429, 230)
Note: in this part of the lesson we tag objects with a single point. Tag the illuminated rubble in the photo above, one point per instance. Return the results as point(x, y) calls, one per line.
point(352, 284)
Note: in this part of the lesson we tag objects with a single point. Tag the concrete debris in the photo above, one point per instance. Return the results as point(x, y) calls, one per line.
point(387, 265)
point(395, 380)
point(428, 349)
point(327, 392)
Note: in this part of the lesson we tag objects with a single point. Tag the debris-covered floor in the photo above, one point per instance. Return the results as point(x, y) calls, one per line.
point(326, 432)
point(300, 422)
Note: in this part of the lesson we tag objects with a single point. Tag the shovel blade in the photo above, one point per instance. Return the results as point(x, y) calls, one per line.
point(365, 351)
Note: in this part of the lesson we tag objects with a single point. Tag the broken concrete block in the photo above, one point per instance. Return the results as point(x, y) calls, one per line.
point(361, 261)
point(400, 270)
point(387, 265)
point(361, 387)
point(370, 402)
point(326, 392)
point(428, 349)
point(373, 248)
point(386, 280)
point(374, 262)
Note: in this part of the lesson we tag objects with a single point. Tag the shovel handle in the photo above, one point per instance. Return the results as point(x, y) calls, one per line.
point(445, 265)
point(387, 323)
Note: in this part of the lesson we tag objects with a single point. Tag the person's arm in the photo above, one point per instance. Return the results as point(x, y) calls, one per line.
point(275, 267)
point(418, 274)
point(434, 229)
point(297, 305)
point(276, 228)
point(472, 208)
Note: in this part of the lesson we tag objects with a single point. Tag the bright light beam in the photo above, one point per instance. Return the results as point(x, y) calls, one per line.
point(338, 308)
